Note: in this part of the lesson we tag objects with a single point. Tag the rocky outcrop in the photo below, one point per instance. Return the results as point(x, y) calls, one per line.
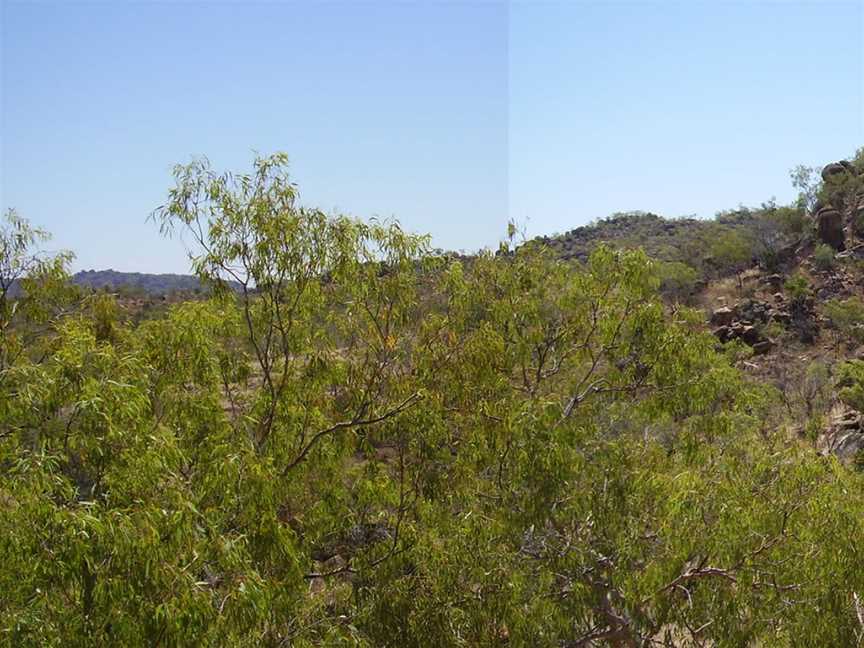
point(837, 169)
point(829, 226)
point(744, 322)
point(843, 206)
point(844, 434)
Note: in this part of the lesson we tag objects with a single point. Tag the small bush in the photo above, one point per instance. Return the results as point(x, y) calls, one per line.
point(797, 287)
point(823, 257)
point(847, 316)
point(774, 330)
point(814, 427)
point(677, 280)
point(850, 381)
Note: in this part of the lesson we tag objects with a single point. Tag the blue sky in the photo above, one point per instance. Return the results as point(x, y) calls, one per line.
point(452, 117)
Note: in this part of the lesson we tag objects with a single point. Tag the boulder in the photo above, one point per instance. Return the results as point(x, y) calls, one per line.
point(843, 435)
point(829, 225)
point(850, 168)
point(750, 335)
point(846, 420)
point(835, 169)
point(752, 310)
point(763, 346)
point(846, 445)
point(722, 316)
point(724, 333)
point(781, 317)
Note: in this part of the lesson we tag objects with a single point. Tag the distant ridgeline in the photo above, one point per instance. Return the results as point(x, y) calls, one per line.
point(154, 284)
point(716, 246)
point(662, 238)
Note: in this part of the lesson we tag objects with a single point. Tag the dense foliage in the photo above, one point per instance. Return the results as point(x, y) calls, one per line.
point(369, 444)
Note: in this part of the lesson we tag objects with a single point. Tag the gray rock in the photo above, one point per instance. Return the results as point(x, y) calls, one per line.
point(724, 333)
point(763, 346)
point(751, 335)
point(846, 445)
point(844, 435)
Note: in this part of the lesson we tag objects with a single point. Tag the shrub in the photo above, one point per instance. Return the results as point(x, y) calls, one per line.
point(797, 286)
point(850, 381)
point(677, 280)
point(774, 330)
point(847, 316)
point(823, 257)
point(732, 252)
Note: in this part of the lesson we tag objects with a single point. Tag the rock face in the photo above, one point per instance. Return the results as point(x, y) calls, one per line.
point(829, 225)
point(844, 434)
point(844, 204)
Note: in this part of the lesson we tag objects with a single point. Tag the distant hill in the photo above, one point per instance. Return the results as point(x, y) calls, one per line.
point(666, 239)
point(767, 230)
point(662, 238)
point(154, 284)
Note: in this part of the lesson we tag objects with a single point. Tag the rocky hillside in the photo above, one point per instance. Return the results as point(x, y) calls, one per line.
point(782, 289)
point(799, 327)
point(663, 238)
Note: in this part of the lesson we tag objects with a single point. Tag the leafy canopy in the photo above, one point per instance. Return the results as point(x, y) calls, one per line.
point(369, 444)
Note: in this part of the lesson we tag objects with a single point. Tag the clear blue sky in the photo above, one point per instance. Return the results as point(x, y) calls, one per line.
point(452, 117)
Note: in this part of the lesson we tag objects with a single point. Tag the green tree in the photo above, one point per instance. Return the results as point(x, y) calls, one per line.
point(371, 445)
point(733, 253)
point(33, 286)
point(678, 280)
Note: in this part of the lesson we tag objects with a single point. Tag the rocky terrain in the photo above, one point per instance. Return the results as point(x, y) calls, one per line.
point(807, 317)
point(790, 295)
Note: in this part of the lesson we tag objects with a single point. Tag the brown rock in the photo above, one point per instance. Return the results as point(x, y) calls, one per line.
point(722, 316)
point(835, 169)
point(829, 224)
